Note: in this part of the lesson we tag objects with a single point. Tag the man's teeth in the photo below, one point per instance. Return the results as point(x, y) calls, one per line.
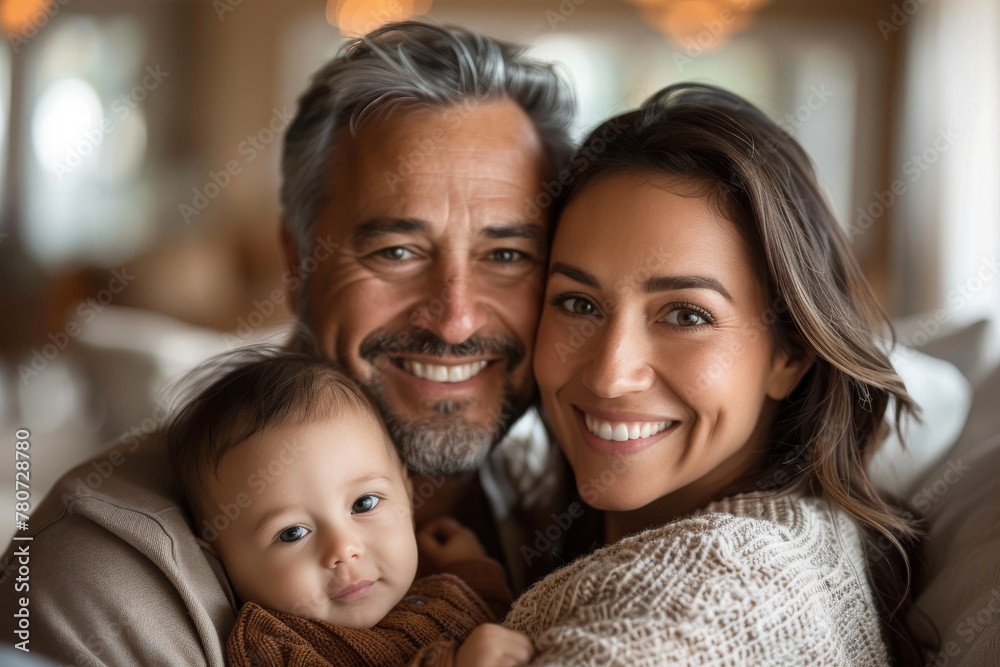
point(622, 431)
point(439, 373)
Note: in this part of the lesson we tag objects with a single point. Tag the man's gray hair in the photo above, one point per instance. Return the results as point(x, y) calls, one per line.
point(410, 62)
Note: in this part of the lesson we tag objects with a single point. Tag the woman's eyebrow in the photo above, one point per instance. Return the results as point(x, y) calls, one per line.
point(657, 284)
point(667, 283)
point(574, 273)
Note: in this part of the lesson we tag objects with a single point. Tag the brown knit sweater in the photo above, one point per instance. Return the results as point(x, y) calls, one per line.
point(424, 629)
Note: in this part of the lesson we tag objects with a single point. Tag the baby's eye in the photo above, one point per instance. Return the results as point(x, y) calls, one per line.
point(293, 534)
point(365, 503)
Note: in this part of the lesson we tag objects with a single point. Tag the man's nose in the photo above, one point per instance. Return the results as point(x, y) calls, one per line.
point(453, 306)
point(619, 361)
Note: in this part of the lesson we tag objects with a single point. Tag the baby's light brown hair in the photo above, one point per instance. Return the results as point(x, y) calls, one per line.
point(240, 395)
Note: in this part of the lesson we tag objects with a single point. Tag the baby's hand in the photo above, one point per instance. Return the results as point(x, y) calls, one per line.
point(444, 541)
point(492, 645)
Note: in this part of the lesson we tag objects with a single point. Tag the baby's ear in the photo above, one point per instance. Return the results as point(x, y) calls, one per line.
point(208, 546)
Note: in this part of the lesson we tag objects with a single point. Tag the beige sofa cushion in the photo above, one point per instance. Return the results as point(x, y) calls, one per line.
point(959, 595)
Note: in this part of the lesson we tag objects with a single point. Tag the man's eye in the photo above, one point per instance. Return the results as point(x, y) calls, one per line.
point(292, 534)
point(507, 255)
point(396, 253)
point(365, 503)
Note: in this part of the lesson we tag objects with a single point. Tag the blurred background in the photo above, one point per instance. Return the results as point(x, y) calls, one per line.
point(140, 142)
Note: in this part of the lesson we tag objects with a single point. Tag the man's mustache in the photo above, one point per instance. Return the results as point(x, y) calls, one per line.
point(382, 342)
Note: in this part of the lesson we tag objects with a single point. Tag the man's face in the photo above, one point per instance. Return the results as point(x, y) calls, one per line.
point(431, 296)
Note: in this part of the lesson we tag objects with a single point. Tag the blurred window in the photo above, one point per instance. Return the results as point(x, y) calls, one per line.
point(4, 123)
point(87, 196)
point(808, 84)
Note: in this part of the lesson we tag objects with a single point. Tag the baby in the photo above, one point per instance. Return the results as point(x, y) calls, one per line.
point(296, 487)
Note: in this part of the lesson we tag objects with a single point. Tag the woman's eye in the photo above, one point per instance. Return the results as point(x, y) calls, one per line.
point(686, 317)
point(576, 305)
point(364, 504)
point(292, 534)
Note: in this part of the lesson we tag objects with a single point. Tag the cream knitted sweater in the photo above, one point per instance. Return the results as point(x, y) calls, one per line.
point(751, 580)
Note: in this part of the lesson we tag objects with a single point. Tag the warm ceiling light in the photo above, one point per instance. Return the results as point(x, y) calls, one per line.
point(705, 23)
point(359, 17)
point(17, 16)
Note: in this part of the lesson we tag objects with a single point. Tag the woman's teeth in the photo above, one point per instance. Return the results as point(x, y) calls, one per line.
point(622, 431)
point(439, 373)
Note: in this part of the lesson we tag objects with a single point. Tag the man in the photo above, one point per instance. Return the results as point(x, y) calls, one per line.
point(416, 160)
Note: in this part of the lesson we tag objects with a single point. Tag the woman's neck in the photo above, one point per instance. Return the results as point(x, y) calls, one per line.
point(724, 480)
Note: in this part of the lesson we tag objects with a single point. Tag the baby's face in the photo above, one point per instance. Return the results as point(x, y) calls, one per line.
point(324, 527)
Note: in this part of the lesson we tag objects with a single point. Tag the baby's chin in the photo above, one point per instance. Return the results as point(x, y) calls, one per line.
point(362, 615)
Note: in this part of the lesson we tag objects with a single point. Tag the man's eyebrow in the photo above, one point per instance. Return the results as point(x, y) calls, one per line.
point(513, 230)
point(667, 283)
point(574, 273)
point(381, 226)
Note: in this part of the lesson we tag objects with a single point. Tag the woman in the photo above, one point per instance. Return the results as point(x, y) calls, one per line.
point(709, 362)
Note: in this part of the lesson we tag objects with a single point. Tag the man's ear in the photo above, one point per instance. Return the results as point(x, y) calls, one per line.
point(788, 369)
point(290, 251)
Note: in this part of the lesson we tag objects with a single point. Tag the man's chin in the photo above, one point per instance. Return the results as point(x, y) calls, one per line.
point(441, 446)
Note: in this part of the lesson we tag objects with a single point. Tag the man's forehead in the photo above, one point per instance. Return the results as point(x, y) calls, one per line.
point(484, 164)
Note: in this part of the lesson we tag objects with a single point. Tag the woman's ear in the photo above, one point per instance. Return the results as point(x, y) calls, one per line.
point(789, 367)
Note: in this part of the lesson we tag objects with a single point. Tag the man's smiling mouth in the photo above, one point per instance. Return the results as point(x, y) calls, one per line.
point(441, 372)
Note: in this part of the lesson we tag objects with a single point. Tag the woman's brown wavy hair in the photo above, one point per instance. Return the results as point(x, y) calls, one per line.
point(827, 430)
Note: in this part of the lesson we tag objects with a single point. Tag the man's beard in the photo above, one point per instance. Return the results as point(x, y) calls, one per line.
point(444, 443)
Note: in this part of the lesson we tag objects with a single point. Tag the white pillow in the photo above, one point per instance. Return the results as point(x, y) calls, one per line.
point(944, 397)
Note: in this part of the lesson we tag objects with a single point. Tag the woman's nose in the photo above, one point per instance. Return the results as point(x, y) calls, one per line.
point(619, 362)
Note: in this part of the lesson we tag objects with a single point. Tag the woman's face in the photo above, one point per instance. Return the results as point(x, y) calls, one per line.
point(654, 357)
